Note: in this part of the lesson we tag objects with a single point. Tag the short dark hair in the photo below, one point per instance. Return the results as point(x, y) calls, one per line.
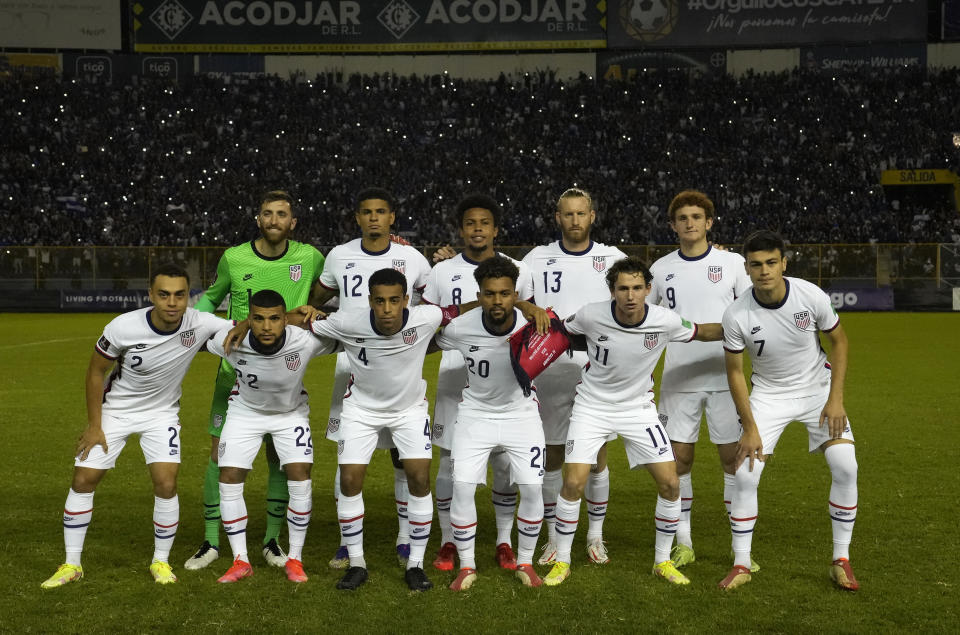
point(267, 298)
point(169, 269)
point(369, 193)
point(764, 240)
point(692, 198)
point(482, 201)
point(630, 264)
point(387, 277)
point(496, 267)
point(276, 195)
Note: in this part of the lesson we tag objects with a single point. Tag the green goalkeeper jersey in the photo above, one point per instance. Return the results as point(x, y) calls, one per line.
point(242, 271)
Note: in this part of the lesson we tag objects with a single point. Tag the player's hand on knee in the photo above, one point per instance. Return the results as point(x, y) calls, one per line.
point(444, 253)
point(750, 448)
point(835, 418)
point(88, 439)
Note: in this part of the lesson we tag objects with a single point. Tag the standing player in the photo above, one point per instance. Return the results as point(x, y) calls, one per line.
point(698, 282)
point(451, 281)
point(271, 261)
point(385, 345)
point(494, 414)
point(568, 274)
point(347, 274)
point(779, 324)
point(268, 399)
point(150, 351)
point(624, 339)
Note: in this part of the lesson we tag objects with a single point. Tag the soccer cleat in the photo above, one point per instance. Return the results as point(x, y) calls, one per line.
point(754, 567)
point(464, 579)
point(668, 571)
point(65, 574)
point(505, 557)
point(559, 573)
point(352, 579)
point(417, 579)
point(548, 553)
point(842, 575)
point(237, 571)
point(162, 573)
point(206, 554)
point(528, 576)
point(341, 559)
point(597, 551)
point(403, 554)
point(738, 576)
point(273, 554)
point(444, 559)
point(294, 569)
point(682, 555)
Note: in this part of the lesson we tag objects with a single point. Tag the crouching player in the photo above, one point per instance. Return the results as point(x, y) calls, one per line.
point(624, 339)
point(268, 399)
point(150, 351)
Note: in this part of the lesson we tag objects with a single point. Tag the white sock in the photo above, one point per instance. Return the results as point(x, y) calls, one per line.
point(444, 493)
point(597, 493)
point(666, 517)
point(729, 486)
point(568, 517)
point(744, 510)
point(402, 496)
point(420, 515)
point(166, 518)
point(686, 503)
point(842, 460)
point(77, 513)
point(298, 516)
point(350, 514)
point(463, 518)
point(233, 511)
point(552, 483)
point(336, 496)
point(529, 520)
point(504, 497)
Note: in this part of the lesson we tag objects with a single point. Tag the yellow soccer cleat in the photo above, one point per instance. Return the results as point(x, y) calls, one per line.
point(682, 555)
point(66, 574)
point(559, 573)
point(162, 573)
point(668, 571)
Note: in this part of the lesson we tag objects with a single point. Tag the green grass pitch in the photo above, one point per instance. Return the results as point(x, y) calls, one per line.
point(903, 393)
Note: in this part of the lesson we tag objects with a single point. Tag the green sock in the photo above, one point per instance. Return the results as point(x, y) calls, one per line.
point(211, 504)
point(277, 499)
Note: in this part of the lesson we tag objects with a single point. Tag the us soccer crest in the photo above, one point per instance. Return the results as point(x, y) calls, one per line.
point(714, 273)
point(437, 430)
point(333, 425)
point(188, 338)
point(599, 263)
point(802, 320)
point(663, 418)
point(569, 446)
point(340, 446)
point(410, 336)
point(650, 340)
point(293, 361)
point(295, 272)
point(400, 265)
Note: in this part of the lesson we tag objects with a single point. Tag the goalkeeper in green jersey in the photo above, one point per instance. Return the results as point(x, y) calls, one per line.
point(271, 261)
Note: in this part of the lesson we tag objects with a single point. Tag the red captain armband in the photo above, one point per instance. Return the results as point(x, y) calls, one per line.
point(531, 352)
point(449, 312)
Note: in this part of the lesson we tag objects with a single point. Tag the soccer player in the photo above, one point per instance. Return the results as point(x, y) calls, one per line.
point(150, 351)
point(779, 325)
point(698, 282)
point(346, 275)
point(268, 399)
point(623, 339)
point(385, 345)
point(494, 414)
point(568, 274)
point(271, 261)
point(450, 281)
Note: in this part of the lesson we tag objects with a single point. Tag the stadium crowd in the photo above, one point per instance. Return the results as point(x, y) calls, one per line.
point(154, 163)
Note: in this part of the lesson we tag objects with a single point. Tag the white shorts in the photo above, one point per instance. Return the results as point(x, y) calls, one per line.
point(341, 382)
point(680, 414)
point(556, 389)
point(477, 436)
point(361, 429)
point(241, 439)
point(643, 436)
point(773, 416)
point(451, 379)
point(159, 440)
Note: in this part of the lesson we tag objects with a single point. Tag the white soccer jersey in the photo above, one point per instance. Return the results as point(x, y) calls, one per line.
point(386, 370)
point(272, 384)
point(622, 356)
point(348, 268)
point(451, 281)
point(567, 280)
point(151, 364)
point(492, 389)
point(700, 289)
point(783, 339)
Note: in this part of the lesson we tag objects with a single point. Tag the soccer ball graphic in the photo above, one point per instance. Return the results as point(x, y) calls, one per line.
point(649, 15)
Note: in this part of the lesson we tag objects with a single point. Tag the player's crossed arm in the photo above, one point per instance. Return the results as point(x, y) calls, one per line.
point(750, 446)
